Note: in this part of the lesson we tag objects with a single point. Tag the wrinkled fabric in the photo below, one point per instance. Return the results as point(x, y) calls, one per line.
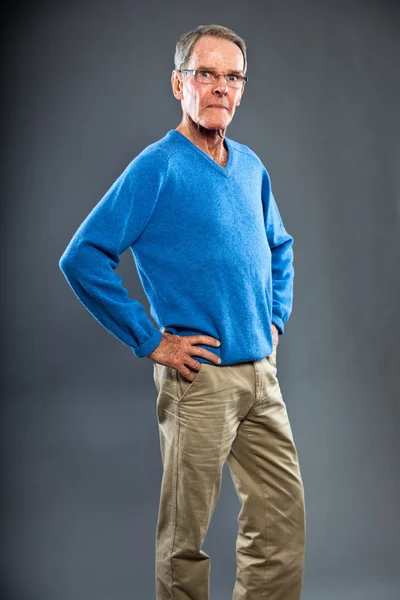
point(232, 413)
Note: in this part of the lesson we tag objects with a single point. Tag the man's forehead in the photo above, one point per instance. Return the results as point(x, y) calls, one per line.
point(215, 52)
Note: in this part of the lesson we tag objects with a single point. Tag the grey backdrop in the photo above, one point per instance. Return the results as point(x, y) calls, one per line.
point(87, 88)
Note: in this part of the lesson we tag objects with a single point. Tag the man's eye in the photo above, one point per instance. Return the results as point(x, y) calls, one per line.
point(233, 77)
point(204, 73)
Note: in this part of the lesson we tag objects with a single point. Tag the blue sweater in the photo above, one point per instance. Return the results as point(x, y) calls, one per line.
point(209, 245)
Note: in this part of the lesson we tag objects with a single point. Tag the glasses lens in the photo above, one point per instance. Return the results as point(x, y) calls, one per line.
point(210, 77)
point(204, 77)
point(235, 83)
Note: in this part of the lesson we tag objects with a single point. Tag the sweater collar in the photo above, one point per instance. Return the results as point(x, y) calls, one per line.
point(174, 133)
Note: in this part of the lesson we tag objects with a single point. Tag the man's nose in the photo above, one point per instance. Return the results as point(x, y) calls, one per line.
point(221, 85)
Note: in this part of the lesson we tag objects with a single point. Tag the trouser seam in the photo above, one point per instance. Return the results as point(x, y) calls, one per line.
point(265, 496)
point(175, 500)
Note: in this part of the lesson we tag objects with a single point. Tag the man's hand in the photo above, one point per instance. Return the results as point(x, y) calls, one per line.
point(275, 334)
point(175, 351)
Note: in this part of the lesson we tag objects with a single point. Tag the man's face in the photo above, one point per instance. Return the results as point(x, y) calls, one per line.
point(221, 56)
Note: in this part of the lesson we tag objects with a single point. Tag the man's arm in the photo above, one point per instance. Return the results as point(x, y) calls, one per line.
point(281, 245)
point(93, 254)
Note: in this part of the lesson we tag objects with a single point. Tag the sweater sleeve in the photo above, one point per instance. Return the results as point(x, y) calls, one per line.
point(281, 245)
point(91, 257)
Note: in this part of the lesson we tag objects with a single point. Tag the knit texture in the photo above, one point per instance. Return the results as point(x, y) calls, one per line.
point(209, 245)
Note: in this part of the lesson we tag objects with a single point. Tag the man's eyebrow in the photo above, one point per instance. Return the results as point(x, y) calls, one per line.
point(204, 68)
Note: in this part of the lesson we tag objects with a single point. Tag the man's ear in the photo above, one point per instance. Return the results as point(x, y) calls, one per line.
point(177, 86)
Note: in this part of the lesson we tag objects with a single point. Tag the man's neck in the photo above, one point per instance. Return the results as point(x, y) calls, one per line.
point(211, 141)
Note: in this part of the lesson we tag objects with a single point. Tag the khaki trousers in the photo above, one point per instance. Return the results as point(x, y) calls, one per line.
point(232, 413)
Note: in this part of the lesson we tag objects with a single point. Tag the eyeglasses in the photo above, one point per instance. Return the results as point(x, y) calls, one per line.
point(202, 76)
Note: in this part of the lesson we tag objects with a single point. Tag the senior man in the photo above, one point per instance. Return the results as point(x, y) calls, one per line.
point(216, 263)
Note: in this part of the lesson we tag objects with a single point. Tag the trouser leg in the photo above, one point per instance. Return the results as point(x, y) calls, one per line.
point(265, 470)
point(197, 425)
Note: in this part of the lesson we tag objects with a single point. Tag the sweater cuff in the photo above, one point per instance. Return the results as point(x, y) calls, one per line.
point(149, 346)
point(279, 323)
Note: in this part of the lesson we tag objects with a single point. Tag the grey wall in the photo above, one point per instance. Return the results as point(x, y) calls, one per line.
point(87, 88)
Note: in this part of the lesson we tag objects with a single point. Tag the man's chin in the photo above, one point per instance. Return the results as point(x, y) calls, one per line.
point(214, 124)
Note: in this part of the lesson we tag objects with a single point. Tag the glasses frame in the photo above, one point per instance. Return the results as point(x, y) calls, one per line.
point(242, 78)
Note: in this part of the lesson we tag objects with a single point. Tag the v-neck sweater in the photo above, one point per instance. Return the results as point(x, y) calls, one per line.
point(209, 245)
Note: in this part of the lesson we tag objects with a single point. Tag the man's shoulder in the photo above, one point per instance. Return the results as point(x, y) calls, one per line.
point(148, 167)
point(242, 148)
point(158, 151)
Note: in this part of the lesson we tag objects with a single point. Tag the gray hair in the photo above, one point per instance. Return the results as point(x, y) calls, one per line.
point(186, 41)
